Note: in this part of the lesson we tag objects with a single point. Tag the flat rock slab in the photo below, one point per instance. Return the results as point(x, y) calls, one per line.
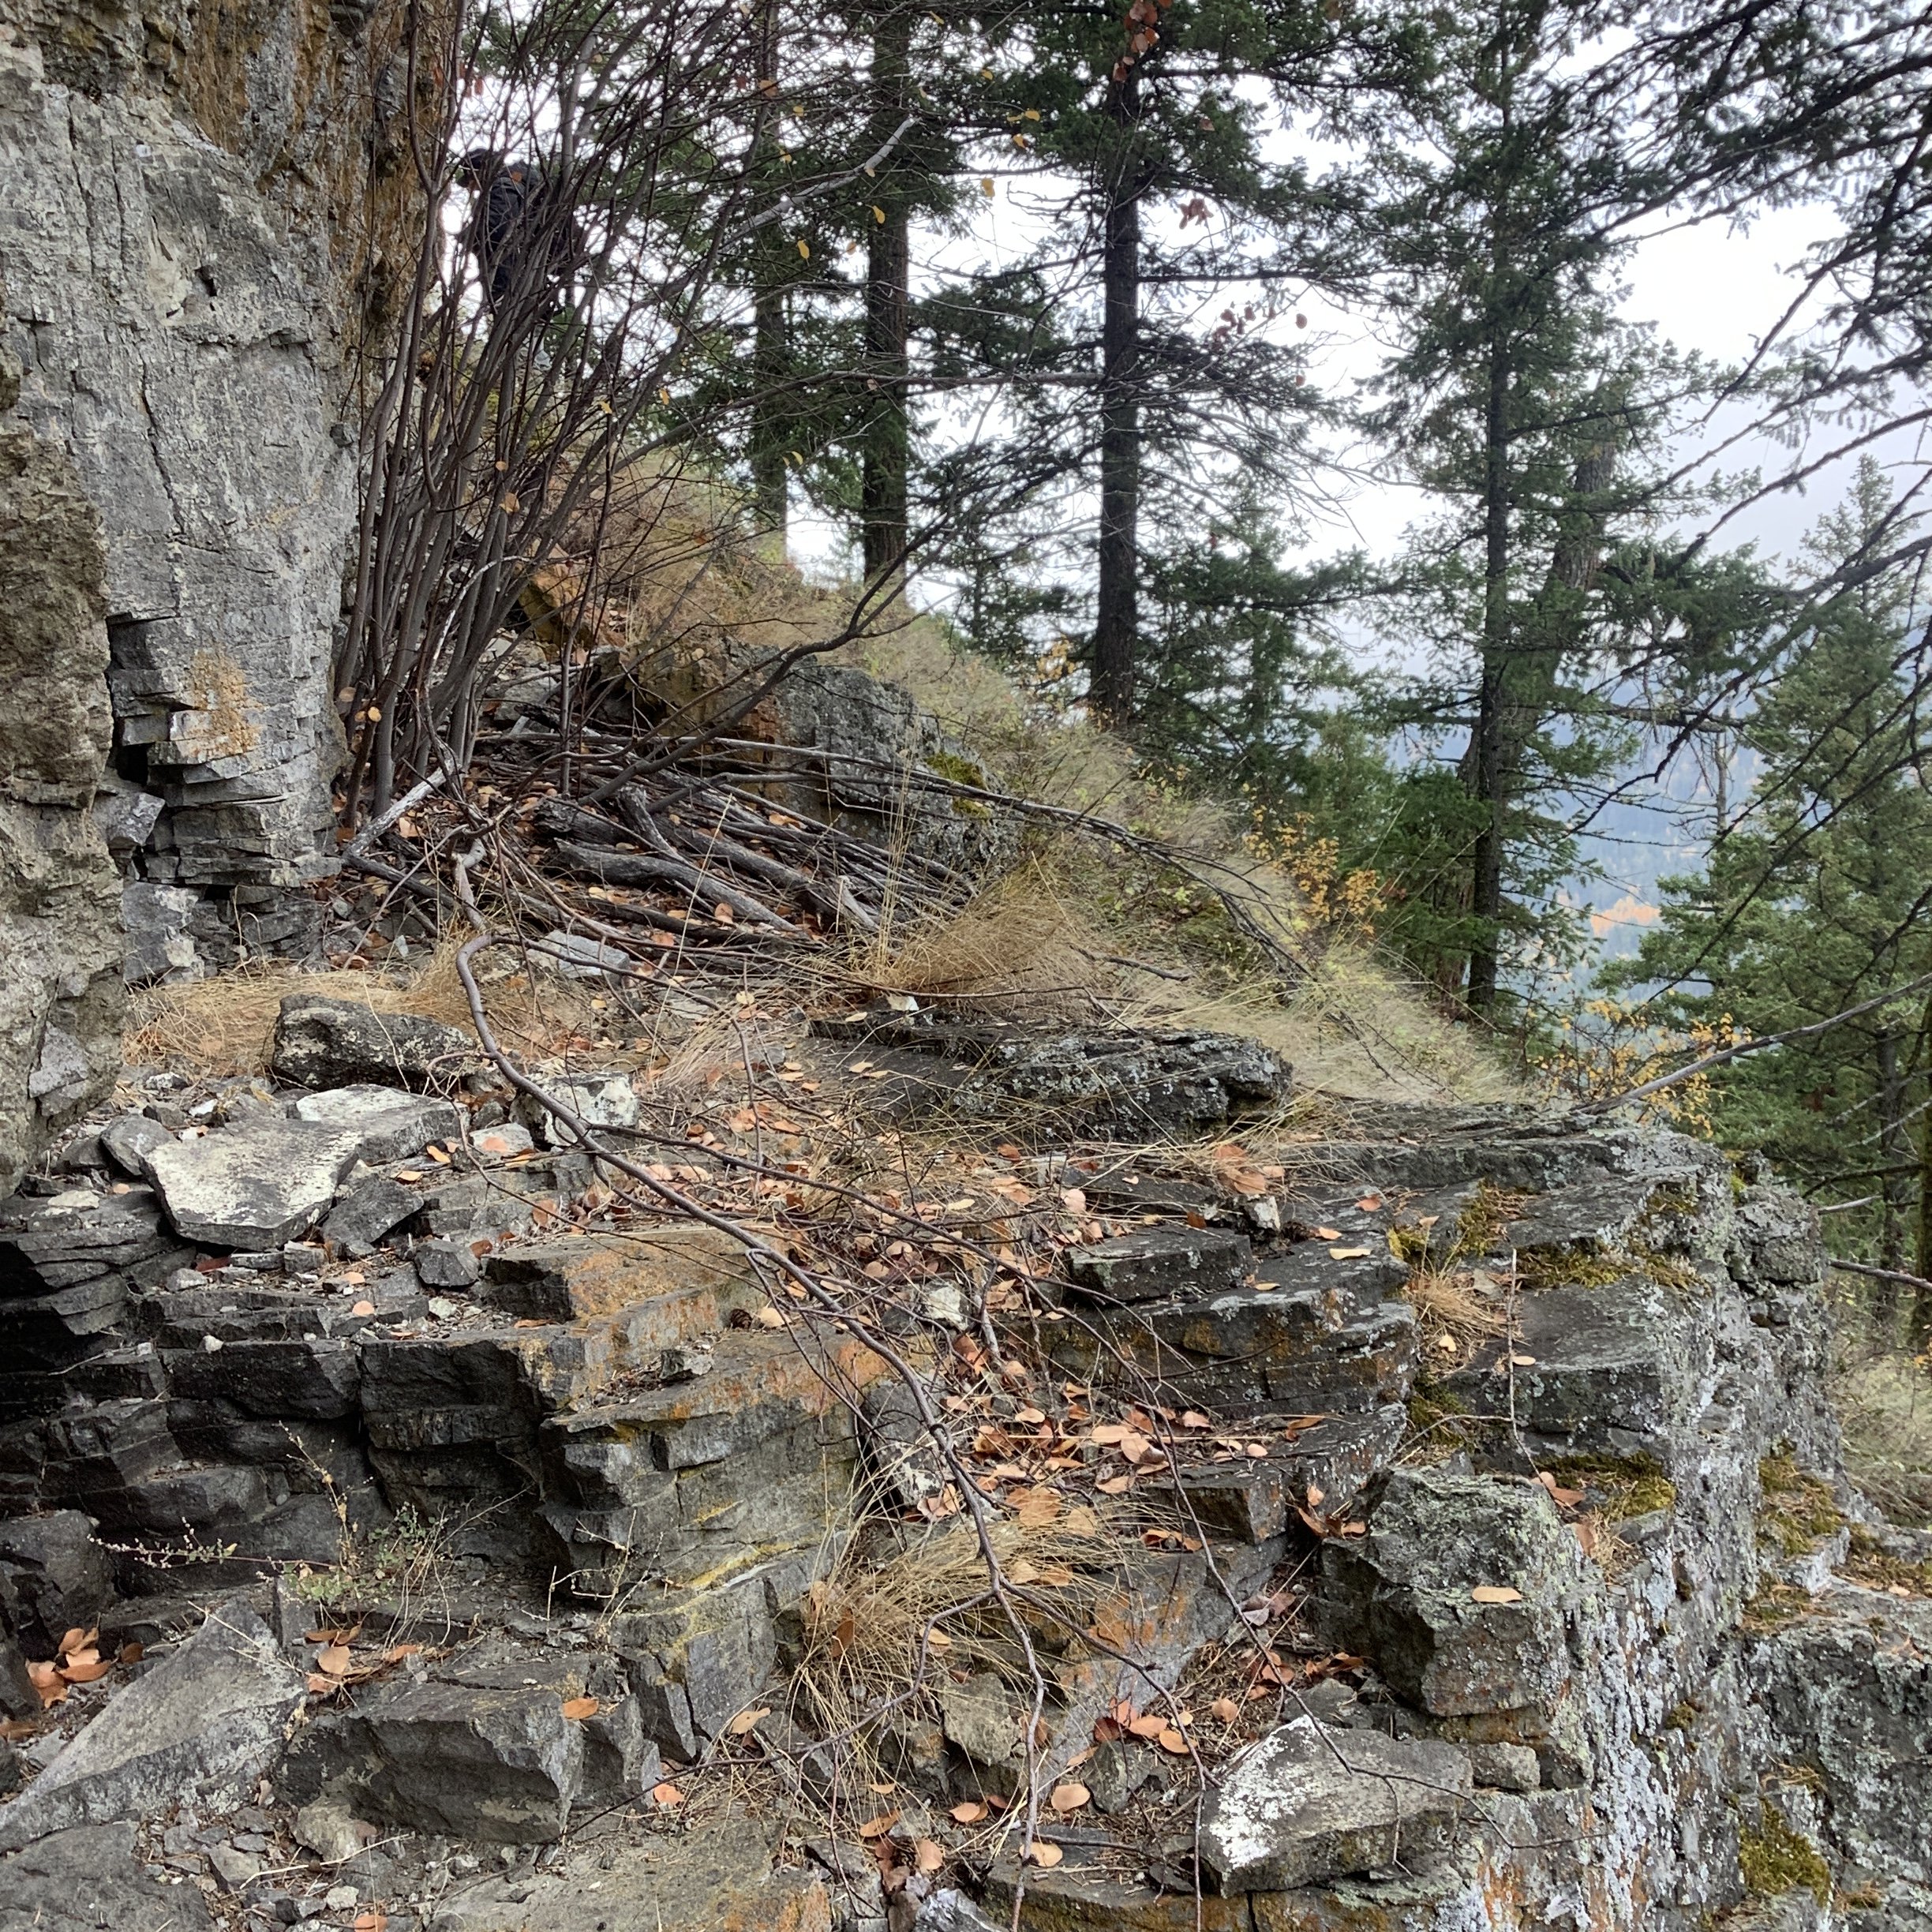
point(716, 1877)
point(393, 1123)
point(1159, 1264)
point(330, 1042)
point(1149, 1084)
point(563, 1277)
point(212, 1714)
point(1310, 1803)
point(255, 1185)
point(87, 1879)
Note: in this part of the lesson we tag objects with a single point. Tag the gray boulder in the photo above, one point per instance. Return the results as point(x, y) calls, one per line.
point(1158, 1262)
point(322, 1042)
point(89, 1879)
point(255, 1185)
point(211, 1717)
point(1461, 1592)
point(128, 1141)
point(358, 1222)
point(1309, 1803)
point(54, 1577)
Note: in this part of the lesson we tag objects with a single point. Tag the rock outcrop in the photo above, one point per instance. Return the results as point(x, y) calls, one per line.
point(1577, 1623)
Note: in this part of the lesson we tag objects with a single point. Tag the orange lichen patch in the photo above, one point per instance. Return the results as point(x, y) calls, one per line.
point(220, 721)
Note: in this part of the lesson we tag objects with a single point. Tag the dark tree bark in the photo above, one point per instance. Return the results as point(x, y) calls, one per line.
point(1116, 626)
point(770, 346)
point(1486, 861)
point(888, 274)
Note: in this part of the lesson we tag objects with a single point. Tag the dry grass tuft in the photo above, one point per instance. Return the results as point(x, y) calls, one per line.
point(1024, 946)
point(222, 1028)
point(1884, 1400)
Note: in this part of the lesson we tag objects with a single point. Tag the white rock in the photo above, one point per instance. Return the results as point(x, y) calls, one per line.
point(253, 1185)
point(394, 1124)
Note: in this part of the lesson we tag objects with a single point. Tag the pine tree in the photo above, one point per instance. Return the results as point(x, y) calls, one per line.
point(1818, 896)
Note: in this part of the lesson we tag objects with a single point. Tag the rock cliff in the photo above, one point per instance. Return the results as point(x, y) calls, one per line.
point(206, 217)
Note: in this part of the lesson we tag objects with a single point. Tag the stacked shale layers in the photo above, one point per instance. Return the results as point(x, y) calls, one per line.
point(1717, 1715)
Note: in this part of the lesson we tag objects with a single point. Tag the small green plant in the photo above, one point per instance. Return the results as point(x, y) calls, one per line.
point(1774, 1859)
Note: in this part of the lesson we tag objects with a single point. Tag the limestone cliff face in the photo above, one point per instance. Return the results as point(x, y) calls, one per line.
point(206, 212)
point(208, 220)
point(60, 987)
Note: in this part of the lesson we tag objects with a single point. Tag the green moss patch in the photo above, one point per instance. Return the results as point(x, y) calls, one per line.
point(1774, 1859)
point(1799, 1514)
point(1625, 1486)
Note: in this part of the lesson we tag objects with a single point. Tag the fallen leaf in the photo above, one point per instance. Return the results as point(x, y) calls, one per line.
point(337, 1633)
point(333, 1659)
point(1247, 1182)
point(927, 1857)
point(78, 1672)
point(579, 1708)
point(76, 1639)
point(1328, 1233)
point(1193, 1419)
point(132, 1652)
point(1045, 1855)
point(363, 1307)
point(1523, 1361)
point(48, 1683)
point(1172, 1741)
point(1350, 1254)
point(1115, 1485)
point(1081, 1522)
point(1073, 1200)
point(667, 1795)
point(1564, 1499)
point(1496, 1594)
point(1036, 1509)
point(967, 1814)
point(748, 1720)
point(15, 1729)
point(1369, 1202)
point(1225, 1708)
point(1068, 1798)
point(1080, 1757)
point(372, 1921)
point(1586, 1535)
point(878, 1827)
point(1152, 1725)
point(1134, 1446)
point(769, 1318)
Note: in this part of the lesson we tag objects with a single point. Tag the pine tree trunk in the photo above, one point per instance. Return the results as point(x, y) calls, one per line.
point(770, 347)
point(1895, 1151)
point(1922, 1264)
point(1486, 861)
point(1117, 625)
point(888, 271)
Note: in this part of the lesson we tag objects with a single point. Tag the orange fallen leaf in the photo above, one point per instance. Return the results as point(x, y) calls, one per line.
point(76, 1639)
point(1045, 1855)
point(1152, 1725)
point(967, 1814)
point(1065, 1798)
point(333, 1659)
point(578, 1708)
point(371, 1921)
point(48, 1683)
point(878, 1827)
point(747, 1721)
point(1115, 1485)
point(363, 1307)
point(1496, 1594)
point(132, 1653)
point(342, 1633)
point(1369, 1202)
point(1172, 1741)
point(1350, 1254)
point(79, 1672)
point(667, 1795)
point(1225, 1708)
point(1328, 1233)
point(927, 1857)
point(1565, 1499)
